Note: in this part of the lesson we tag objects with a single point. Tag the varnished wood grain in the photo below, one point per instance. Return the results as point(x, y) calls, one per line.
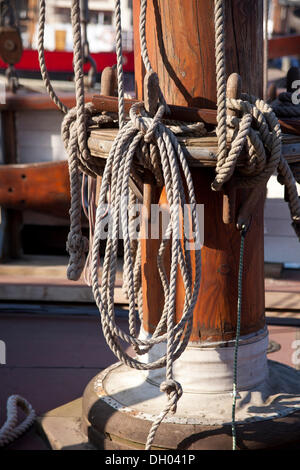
point(181, 44)
point(180, 38)
point(42, 187)
point(12, 247)
point(200, 151)
point(22, 101)
point(215, 311)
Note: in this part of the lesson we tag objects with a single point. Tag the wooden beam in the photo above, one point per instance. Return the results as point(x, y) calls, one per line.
point(37, 101)
point(182, 52)
point(181, 113)
point(185, 113)
point(42, 187)
point(201, 152)
point(12, 247)
point(284, 46)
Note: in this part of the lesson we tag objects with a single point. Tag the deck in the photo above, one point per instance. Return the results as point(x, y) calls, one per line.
point(54, 348)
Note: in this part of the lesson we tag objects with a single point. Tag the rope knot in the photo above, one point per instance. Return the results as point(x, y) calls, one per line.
point(255, 129)
point(77, 245)
point(155, 123)
point(145, 123)
point(173, 390)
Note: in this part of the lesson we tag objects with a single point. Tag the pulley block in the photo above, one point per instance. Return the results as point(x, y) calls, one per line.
point(10, 45)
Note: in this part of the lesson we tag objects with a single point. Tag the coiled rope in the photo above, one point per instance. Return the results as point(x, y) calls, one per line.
point(143, 129)
point(283, 106)
point(164, 155)
point(257, 130)
point(10, 430)
point(152, 135)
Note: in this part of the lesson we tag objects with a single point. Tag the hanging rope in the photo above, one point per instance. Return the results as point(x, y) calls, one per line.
point(237, 337)
point(10, 429)
point(141, 130)
point(148, 138)
point(256, 130)
point(119, 63)
point(41, 52)
point(221, 130)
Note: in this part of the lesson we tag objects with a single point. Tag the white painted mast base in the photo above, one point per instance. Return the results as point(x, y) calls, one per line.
point(126, 390)
point(267, 389)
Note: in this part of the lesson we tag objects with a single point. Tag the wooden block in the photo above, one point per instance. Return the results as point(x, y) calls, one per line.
point(62, 427)
point(273, 270)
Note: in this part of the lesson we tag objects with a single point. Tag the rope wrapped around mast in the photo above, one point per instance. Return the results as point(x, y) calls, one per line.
point(256, 130)
point(164, 154)
point(161, 149)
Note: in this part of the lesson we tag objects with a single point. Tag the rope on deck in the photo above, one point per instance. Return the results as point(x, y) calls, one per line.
point(256, 128)
point(10, 429)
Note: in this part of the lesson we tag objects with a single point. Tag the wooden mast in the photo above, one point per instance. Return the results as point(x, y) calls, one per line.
point(121, 404)
point(181, 44)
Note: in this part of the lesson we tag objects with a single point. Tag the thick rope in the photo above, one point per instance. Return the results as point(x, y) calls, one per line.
point(115, 179)
point(263, 154)
point(144, 49)
point(141, 131)
point(157, 153)
point(221, 130)
point(257, 131)
point(283, 106)
point(74, 134)
point(41, 52)
point(120, 74)
point(10, 429)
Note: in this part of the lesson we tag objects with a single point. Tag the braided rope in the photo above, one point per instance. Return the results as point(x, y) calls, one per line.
point(41, 53)
point(74, 135)
point(10, 430)
point(115, 179)
point(263, 144)
point(284, 106)
point(237, 337)
point(119, 63)
point(144, 49)
point(219, 18)
point(263, 155)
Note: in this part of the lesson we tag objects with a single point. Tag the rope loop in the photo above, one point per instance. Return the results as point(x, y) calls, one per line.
point(144, 123)
point(10, 430)
point(256, 130)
